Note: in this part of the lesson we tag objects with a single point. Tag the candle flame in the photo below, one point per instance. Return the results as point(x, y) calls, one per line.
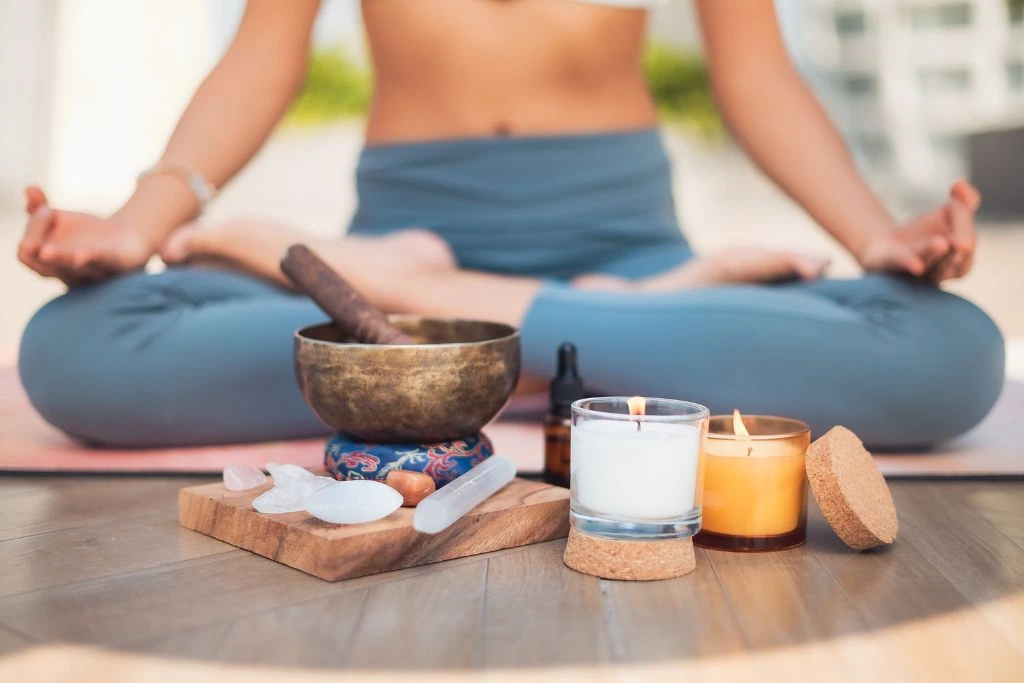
point(738, 428)
point(637, 405)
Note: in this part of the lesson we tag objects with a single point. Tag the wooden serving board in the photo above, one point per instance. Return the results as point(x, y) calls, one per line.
point(523, 512)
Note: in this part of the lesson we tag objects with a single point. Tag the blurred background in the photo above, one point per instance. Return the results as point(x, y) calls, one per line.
point(924, 90)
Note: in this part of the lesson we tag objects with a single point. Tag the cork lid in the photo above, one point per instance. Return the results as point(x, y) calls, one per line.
point(851, 490)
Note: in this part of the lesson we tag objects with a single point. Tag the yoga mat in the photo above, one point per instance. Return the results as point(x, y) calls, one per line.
point(28, 444)
point(993, 448)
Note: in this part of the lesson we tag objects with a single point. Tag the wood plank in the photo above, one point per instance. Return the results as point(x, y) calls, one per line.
point(956, 537)
point(60, 664)
point(523, 512)
point(66, 503)
point(1000, 503)
point(12, 641)
point(979, 561)
point(944, 603)
point(685, 617)
point(314, 633)
point(151, 602)
point(428, 615)
point(321, 626)
point(786, 599)
point(1004, 496)
point(89, 552)
point(538, 612)
point(891, 587)
point(11, 485)
point(1008, 523)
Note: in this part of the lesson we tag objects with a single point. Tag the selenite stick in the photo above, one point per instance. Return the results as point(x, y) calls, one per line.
point(441, 509)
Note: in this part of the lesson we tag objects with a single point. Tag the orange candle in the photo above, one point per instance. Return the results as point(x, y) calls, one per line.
point(755, 494)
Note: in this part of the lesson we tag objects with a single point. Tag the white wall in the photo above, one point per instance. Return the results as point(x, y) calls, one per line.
point(90, 90)
point(26, 67)
point(124, 72)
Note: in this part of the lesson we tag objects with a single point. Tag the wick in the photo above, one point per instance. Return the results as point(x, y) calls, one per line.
point(638, 425)
point(749, 451)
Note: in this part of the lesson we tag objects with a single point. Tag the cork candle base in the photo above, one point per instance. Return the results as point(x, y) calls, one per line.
point(629, 560)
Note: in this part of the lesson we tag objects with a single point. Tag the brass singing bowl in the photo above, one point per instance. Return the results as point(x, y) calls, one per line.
point(447, 386)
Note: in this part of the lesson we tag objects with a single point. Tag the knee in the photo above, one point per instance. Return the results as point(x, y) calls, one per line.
point(54, 385)
point(957, 368)
point(70, 362)
point(980, 350)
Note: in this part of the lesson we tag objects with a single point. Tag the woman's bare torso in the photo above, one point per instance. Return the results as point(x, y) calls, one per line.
point(468, 68)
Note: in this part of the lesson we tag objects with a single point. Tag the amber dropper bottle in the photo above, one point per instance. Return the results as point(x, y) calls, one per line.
point(566, 387)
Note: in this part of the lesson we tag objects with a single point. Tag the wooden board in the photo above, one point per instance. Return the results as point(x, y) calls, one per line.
point(523, 512)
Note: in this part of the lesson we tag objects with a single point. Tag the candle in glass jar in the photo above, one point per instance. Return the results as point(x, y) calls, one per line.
point(635, 471)
point(635, 467)
point(754, 483)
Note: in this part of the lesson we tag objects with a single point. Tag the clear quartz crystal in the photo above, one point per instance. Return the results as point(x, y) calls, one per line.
point(293, 485)
point(243, 477)
point(353, 502)
point(286, 475)
point(441, 509)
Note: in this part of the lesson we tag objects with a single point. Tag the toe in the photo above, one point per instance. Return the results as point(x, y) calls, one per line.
point(181, 245)
point(809, 267)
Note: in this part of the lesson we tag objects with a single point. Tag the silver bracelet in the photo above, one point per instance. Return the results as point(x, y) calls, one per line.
point(203, 191)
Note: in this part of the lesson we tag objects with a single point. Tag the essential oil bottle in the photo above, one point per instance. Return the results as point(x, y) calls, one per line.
point(566, 387)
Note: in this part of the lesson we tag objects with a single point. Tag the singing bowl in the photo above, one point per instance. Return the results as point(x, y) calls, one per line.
point(448, 385)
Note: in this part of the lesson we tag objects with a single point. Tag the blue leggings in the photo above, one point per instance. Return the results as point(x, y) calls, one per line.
point(193, 356)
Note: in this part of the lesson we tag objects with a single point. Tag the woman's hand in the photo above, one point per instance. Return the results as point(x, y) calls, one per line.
point(77, 247)
point(938, 245)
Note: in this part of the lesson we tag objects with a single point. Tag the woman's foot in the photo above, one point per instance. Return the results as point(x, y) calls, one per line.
point(733, 266)
point(247, 245)
point(378, 267)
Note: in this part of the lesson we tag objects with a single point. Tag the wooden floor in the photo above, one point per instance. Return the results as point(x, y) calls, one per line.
point(102, 562)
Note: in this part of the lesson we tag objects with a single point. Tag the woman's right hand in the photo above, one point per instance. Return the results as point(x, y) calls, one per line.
point(78, 247)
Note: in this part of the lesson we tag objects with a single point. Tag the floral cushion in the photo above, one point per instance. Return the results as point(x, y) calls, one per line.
point(345, 459)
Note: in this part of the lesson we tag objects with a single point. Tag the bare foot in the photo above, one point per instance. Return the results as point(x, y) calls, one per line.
point(376, 266)
point(249, 245)
point(732, 266)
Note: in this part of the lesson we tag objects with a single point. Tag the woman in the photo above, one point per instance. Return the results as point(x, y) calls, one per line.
point(519, 137)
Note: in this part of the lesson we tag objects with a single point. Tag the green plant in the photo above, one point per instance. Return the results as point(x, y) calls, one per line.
point(335, 88)
point(1016, 9)
point(681, 88)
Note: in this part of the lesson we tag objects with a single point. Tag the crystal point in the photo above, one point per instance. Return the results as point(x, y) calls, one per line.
point(277, 501)
point(243, 477)
point(293, 485)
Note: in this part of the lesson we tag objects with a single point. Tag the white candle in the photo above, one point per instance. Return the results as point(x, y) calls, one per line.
point(646, 474)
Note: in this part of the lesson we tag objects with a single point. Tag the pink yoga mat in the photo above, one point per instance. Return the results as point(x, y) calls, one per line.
point(28, 444)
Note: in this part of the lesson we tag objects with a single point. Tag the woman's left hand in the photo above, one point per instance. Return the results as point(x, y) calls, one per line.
point(938, 245)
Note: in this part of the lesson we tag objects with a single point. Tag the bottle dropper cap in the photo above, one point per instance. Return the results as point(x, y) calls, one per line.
point(567, 386)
